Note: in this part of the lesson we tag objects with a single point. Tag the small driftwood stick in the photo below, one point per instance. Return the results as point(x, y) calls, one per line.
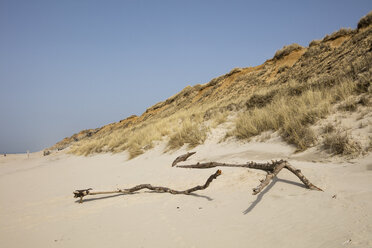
point(272, 168)
point(182, 158)
point(158, 189)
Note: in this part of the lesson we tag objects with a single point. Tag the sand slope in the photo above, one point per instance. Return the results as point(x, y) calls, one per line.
point(37, 208)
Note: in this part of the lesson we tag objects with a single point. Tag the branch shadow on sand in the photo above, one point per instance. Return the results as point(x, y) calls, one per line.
point(104, 197)
point(191, 194)
point(123, 194)
point(261, 195)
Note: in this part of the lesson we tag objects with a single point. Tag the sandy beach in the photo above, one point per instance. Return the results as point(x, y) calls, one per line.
point(269, 104)
point(37, 208)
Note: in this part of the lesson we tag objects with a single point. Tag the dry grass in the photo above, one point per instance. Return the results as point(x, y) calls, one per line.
point(314, 43)
point(219, 118)
point(286, 50)
point(329, 128)
point(364, 100)
point(365, 21)
point(337, 34)
point(340, 143)
point(135, 141)
point(289, 109)
point(349, 105)
point(291, 115)
point(260, 100)
point(283, 68)
point(369, 147)
point(302, 136)
point(189, 133)
point(181, 128)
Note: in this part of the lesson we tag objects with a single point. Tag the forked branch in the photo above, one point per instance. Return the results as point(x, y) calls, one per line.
point(272, 168)
point(84, 192)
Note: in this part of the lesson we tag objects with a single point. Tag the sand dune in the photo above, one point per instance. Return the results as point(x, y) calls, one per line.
point(37, 208)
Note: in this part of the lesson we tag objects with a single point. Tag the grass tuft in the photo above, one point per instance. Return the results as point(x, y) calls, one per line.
point(337, 34)
point(365, 21)
point(189, 133)
point(297, 134)
point(329, 128)
point(259, 101)
point(219, 118)
point(314, 43)
point(340, 144)
point(286, 50)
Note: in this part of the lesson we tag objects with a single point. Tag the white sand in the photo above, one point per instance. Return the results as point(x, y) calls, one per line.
point(37, 208)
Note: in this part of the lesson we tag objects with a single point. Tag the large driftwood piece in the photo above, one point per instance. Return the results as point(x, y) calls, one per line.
point(84, 192)
point(272, 168)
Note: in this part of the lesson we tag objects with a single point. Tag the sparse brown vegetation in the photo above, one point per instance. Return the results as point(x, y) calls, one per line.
point(365, 21)
point(364, 101)
point(340, 143)
point(329, 128)
point(314, 43)
point(338, 34)
point(291, 116)
point(297, 134)
point(219, 118)
point(349, 105)
point(260, 100)
point(292, 110)
point(369, 147)
point(189, 133)
point(286, 50)
point(283, 68)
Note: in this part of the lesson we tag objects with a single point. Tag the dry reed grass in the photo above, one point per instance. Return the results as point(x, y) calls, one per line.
point(291, 115)
point(189, 133)
point(340, 143)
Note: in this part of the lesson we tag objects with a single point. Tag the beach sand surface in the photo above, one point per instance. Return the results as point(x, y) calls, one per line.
point(37, 208)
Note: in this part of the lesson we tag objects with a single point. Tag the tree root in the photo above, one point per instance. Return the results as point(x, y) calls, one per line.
point(84, 192)
point(272, 168)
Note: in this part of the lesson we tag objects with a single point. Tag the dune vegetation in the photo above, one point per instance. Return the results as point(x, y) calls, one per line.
point(288, 94)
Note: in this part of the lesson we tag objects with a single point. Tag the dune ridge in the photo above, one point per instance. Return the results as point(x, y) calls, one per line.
point(288, 94)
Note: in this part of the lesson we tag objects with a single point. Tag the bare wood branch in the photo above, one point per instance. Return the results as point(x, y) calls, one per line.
point(82, 193)
point(272, 168)
point(303, 179)
point(182, 158)
point(269, 176)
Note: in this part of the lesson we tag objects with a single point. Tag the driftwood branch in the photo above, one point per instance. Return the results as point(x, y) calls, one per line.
point(84, 192)
point(182, 158)
point(272, 168)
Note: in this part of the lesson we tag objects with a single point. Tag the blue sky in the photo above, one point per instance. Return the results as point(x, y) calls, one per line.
point(71, 65)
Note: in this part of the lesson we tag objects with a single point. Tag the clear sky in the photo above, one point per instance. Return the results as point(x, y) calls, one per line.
point(70, 65)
